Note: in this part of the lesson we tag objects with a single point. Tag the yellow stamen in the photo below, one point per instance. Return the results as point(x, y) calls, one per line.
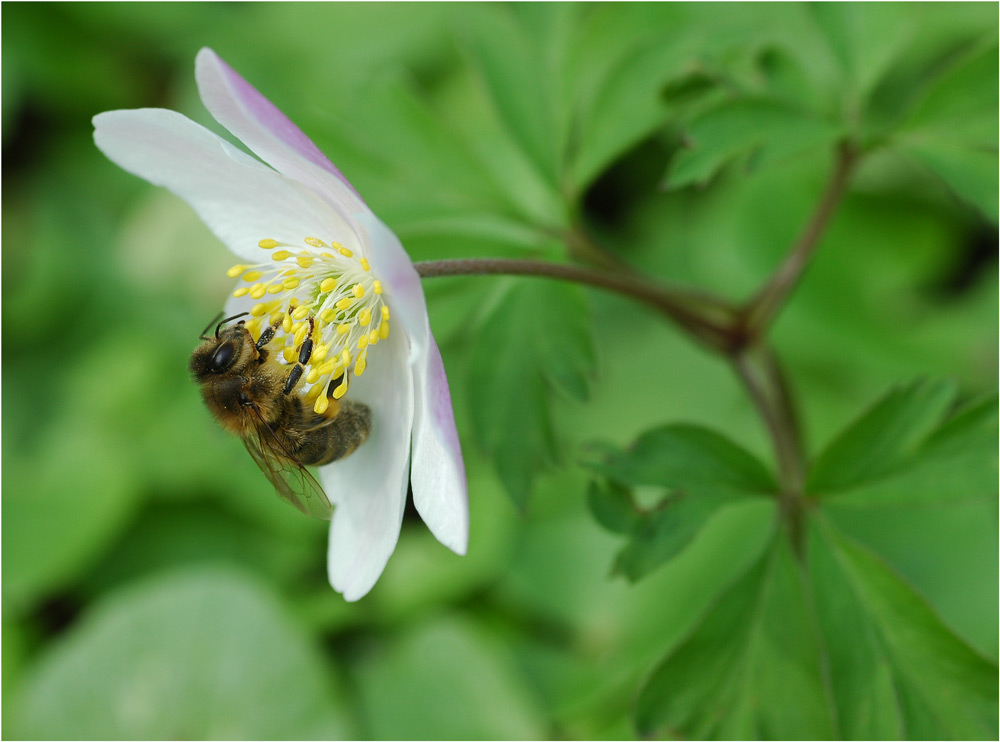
point(373, 337)
point(301, 333)
point(315, 242)
point(327, 368)
point(345, 357)
point(322, 402)
point(328, 315)
point(281, 255)
point(341, 390)
point(275, 288)
point(290, 354)
point(359, 367)
point(344, 303)
point(290, 283)
point(251, 276)
point(365, 266)
point(312, 377)
point(300, 312)
point(258, 310)
point(377, 287)
point(314, 392)
point(346, 253)
point(286, 324)
point(385, 312)
point(383, 330)
point(362, 342)
point(241, 291)
point(364, 317)
point(304, 261)
point(328, 285)
point(343, 329)
point(235, 270)
point(268, 244)
point(319, 352)
point(358, 290)
point(257, 291)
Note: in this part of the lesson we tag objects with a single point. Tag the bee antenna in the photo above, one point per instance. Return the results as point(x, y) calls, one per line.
point(209, 326)
point(227, 319)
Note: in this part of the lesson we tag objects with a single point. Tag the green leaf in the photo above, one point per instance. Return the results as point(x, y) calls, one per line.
point(770, 130)
point(882, 438)
point(971, 174)
point(699, 472)
point(536, 340)
point(518, 75)
point(943, 499)
point(688, 458)
point(896, 670)
point(204, 654)
point(447, 680)
point(751, 669)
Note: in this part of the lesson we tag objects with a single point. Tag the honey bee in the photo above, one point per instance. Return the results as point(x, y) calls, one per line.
point(250, 394)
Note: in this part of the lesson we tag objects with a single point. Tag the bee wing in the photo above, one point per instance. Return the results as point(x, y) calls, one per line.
point(291, 480)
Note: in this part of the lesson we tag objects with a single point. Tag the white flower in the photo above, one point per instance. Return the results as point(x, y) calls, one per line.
point(307, 240)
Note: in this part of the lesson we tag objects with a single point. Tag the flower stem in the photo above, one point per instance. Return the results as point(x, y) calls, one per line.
point(704, 316)
point(760, 311)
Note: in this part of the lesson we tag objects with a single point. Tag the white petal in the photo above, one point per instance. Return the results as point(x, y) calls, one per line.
point(400, 282)
point(241, 200)
point(258, 123)
point(368, 488)
point(440, 492)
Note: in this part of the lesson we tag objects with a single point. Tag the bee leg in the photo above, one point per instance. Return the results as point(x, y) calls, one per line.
point(305, 353)
point(268, 334)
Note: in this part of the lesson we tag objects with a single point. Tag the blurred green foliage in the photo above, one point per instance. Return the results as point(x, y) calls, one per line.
point(154, 587)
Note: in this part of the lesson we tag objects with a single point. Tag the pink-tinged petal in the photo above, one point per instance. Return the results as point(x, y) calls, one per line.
point(440, 492)
point(269, 133)
point(400, 281)
point(241, 200)
point(368, 488)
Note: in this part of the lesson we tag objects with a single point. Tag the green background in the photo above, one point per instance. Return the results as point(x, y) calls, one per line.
point(153, 587)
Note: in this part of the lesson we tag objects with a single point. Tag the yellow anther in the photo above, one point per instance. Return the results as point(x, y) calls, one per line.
point(312, 377)
point(362, 342)
point(341, 390)
point(345, 252)
point(328, 285)
point(315, 242)
point(290, 283)
point(373, 337)
point(383, 330)
point(377, 287)
point(293, 302)
point(304, 261)
point(344, 303)
point(322, 402)
point(364, 317)
point(275, 288)
point(290, 354)
point(235, 270)
point(241, 291)
point(319, 352)
point(364, 264)
point(253, 326)
point(343, 329)
point(251, 276)
point(281, 255)
point(328, 315)
point(385, 312)
point(286, 324)
point(258, 310)
point(358, 290)
point(301, 334)
point(327, 368)
point(314, 392)
point(300, 312)
point(359, 367)
point(257, 291)
point(345, 357)
point(327, 255)
point(276, 318)
point(268, 244)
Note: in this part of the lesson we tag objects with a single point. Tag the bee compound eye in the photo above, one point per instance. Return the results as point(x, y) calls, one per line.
point(223, 357)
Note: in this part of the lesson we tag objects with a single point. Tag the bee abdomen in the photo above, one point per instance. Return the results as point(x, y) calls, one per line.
point(339, 437)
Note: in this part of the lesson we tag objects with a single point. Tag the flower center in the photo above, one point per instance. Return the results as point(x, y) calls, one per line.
point(327, 295)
